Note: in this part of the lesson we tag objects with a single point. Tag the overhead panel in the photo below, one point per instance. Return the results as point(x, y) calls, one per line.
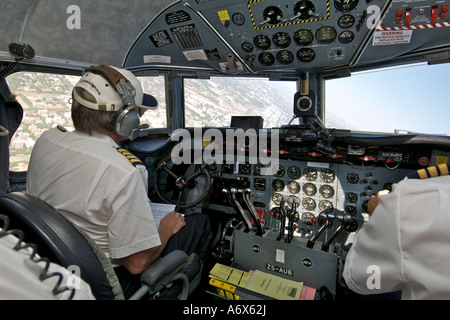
point(259, 35)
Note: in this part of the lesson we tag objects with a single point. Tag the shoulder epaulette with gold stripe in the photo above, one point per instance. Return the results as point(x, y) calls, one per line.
point(430, 172)
point(131, 157)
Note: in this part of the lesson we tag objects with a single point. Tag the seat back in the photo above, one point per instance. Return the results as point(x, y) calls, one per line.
point(59, 240)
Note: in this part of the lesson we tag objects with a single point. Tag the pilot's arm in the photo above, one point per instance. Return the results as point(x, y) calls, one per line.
point(373, 264)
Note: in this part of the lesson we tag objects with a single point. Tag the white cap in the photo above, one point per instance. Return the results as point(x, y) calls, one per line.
point(107, 96)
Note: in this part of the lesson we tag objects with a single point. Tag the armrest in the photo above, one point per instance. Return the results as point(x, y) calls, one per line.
point(164, 268)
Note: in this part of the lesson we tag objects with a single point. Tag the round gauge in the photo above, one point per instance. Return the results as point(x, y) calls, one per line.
point(260, 184)
point(306, 55)
point(285, 57)
point(352, 226)
point(266, 59)
point(351, 197)
point(325, 205)
point(345, 5)
point(275, 212)
point(346, 21)
point(262, 42)
point(278, 185)
point(309, 204)
point(292, 199)
point(326, 191)
point(272, 15)
point(309, 189)
point(247, 47)
point(244, 168)
point(327, 175)
point(238, 19)
point(310, 174)
point(326, 35)
point(308, 218)
point(352, 178)
point(294, 172)
point(346, 37)
point(281, 39)
point(276, 198)
point(303, 37)
point(278, 171)
point(293, 187)
point(304, 10)
point(351, 210)
point(259, 170)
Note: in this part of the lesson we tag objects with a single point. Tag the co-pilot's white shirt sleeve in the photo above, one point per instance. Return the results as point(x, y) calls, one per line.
point(373, 264)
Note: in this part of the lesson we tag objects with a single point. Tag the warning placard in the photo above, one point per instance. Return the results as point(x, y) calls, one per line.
point(387, 38)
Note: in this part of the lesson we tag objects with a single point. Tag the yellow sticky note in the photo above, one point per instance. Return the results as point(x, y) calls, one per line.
point(223, 15)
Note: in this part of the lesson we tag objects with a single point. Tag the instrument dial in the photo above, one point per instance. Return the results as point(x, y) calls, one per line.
point(276, 198)
point(262, 42)
point(327, 175)
point(309, 189)
point(310, 174)
point(285, 57)
point(326, 35)
point(247, 47)
point(325, 205)
point(303, 37)
point(352, 178)
point(306, 55)
point(293, 187)
point(346, 37)
point(278, 171)
point(346, 21)
point(266, 59)
point(351, 197)
point(351, 210)
point(260, 184)
point(309, 204)
point(294, 172)
point(308, 218)
point(345, 5)
point(326, 191)
point(281, 39)
point(278, 185)
point(238, 19)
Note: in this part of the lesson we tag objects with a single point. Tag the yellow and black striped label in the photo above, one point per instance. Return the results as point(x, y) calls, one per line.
point(249, 3)
point(131, 157)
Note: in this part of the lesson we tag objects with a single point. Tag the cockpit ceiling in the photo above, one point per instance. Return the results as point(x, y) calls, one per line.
point(229, 36)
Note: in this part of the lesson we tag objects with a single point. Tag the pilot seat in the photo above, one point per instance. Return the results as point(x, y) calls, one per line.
point(63, 243)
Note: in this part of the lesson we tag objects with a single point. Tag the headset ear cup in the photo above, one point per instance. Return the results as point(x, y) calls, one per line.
point(126, 122)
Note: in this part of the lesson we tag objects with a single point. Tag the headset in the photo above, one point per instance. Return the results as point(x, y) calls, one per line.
point(126, 120)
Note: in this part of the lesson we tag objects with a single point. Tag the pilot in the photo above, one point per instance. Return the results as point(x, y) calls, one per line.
point(103, 189)
point(405, 245)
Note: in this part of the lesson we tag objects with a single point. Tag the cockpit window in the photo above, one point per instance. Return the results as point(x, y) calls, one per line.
point(45, 99)
point(213, 102)
point(405, 99)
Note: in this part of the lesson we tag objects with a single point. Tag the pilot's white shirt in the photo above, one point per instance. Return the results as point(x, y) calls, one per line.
point(96, 187)
point(406, 243)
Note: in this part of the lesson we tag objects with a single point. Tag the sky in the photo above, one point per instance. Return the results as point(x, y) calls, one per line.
point(411, 98)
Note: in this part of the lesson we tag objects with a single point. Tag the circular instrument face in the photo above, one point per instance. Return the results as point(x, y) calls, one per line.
point(260, 184)
point(293, 187)
point(325, 205)
point(351, 210)
point(309, 204)
point(247, 47)
point(285, 57)
point(352, 178)
point(281, 39)
point(276, 198)
point(310, 174)
point(326, 191)
point(278, 171)
point(262, 42)
point(306, 55)
point(309, 189)
point(308, 218)
point(351, 197)
point(238, 19)
point(346, 21)
point(346, 37)
point(326, 35)
point(345, 5)
point(266, 59)
point(278, 185)
point(327, 175)
point(294, 172)
point(303, 37)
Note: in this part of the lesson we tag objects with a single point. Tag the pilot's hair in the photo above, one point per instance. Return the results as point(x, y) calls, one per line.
point(90, 121)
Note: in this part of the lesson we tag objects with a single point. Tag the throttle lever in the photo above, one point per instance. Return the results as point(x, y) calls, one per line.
point(251, 208)
point(345, 220)
point(328, 223)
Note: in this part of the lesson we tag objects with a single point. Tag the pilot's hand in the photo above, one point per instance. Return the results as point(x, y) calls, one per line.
point(373, 201)
point(172, 223)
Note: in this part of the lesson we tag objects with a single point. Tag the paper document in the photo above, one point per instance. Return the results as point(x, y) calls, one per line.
point(230, 275)
point(274, 286)
point(160, 210)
